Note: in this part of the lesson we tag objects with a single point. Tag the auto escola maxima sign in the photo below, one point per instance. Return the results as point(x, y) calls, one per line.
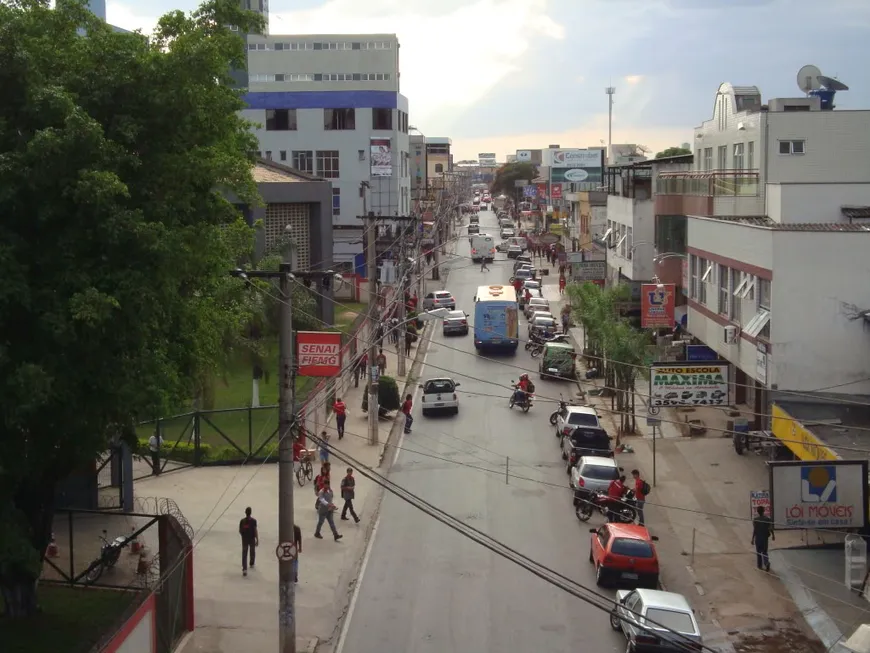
point(688, 384)
point(819, 494)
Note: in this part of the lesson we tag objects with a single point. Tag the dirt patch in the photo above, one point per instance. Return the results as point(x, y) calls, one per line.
point(786, 639)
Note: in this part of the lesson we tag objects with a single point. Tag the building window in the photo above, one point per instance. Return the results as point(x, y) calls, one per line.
point(336, 201)
point(724, 293)
point(269, 154)
point(738, 156)
point(792, 147)
point(708, 159)
point(327, 164)
point(705, 269)
point(763, 293)
point(339, 119)
point(693, 282)
point(304, 160)
point(280, 120)
point(722, 161)
point(382, 119)
point(698, 160)
point(738, 283)
point(439, 168)
point(750, 155)
point(282, 155)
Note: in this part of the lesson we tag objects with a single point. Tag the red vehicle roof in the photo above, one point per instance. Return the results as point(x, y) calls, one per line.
point(630, 531)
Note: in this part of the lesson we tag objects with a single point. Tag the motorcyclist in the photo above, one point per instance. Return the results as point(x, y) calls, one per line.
point(615, 492)
point(522, 387)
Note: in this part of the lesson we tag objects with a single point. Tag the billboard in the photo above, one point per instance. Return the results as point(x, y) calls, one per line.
point(577, 166)
point(688, 384)
point(524, 156)
point(486, 159)
point(542, 191)
point(657, 305)
point(318, 353)
point(556, 191)
point(588, 270)
point(799, 439)
point(819, 494)
point(530, 191)
point(381, 155)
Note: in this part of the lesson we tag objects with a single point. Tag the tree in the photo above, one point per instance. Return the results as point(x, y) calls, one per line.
point(673, 151)
point(388, 396)
point(509, 173)
point(114, 246)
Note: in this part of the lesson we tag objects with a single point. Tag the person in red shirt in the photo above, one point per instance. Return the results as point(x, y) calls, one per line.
point(562, 283)
point(615, 491)
point(407, 405)
point(639, 495)
point(528, 295)
point(518, 286)
point(340, 410)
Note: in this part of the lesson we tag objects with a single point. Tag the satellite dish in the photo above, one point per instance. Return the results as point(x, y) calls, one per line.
point(832, 84)
point(808, 79)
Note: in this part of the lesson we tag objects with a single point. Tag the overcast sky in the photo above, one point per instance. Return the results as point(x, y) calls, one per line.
point(502, 75)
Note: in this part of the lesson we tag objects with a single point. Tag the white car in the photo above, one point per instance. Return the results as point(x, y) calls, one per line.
point(536, 304)
point(532, 284)
point(540, 313)
point(644, 614)
point(439, 299)
point(570, 417)
point(439, 395)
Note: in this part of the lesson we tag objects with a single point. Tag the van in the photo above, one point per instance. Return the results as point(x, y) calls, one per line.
point(557, 360)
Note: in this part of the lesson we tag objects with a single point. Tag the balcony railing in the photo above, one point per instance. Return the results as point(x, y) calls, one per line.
point(712, 183)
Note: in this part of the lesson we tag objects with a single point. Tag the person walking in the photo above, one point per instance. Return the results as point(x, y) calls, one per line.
point(340, 410)
point(641, 490)
point(348, 485)
point(409, 340)
point(483, 266)
point(562, 283)
point(324, 447)
point(381, 362)
point(250, 540)
point(762, 532)
point(297, 540)
point(407, 405)
point(361, 369)
point(394, 331)
point(326, 512)
point(154, 444)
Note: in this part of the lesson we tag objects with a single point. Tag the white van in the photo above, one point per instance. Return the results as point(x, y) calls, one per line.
point(482, 247)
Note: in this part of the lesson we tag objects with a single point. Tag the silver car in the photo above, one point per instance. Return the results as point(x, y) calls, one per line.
point(439, 299)
point(655, 621)
point(592, 474)
point(456, 322)
point(536, 304)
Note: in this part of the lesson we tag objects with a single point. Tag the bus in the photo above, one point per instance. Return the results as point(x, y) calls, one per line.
point(496, 318)
point(482, 247)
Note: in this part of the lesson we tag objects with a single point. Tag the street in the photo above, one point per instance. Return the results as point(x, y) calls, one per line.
point(425, 587)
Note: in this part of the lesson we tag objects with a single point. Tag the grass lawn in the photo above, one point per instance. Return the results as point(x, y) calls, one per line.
point(72, 620)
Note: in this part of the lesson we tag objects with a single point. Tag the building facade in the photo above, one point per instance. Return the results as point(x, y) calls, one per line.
point(329, 105)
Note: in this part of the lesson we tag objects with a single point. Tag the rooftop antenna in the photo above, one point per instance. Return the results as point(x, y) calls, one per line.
point(808, 79)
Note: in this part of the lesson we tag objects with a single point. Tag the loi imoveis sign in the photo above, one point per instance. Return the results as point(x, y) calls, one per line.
point(821, 494)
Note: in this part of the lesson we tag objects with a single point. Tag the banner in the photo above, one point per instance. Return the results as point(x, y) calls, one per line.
point(381, 155)
point(577, 159)
point(486, 159)
point(556, 191)
point(810, 495)
point(318, 353)
point(657, 306)
point(542, 191)
point(688, 384)
point(530, 191)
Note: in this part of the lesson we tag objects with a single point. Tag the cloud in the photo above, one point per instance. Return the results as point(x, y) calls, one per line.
point(632, 80)
point(123, 15)
point(452, 53)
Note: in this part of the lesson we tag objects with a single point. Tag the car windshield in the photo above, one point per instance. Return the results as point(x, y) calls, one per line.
point(455, 315)
point(599, 472)
point(633, 548)
point(669, 619)
point(442, 295)
point(582, 419)
point(544, 321)
point(438, 385)
point(533, 285)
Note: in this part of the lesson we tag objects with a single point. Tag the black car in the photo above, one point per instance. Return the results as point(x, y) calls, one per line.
point(585, 441)
point(513, 251)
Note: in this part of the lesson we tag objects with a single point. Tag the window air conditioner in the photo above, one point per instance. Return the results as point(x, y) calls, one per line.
point(731, 334)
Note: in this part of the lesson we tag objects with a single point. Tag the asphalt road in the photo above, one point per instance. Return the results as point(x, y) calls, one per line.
point(425, 588)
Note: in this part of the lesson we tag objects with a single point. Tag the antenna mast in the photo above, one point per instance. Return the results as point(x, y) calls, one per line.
point(610, 90)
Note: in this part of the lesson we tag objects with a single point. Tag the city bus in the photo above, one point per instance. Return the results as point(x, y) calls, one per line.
point(496, 321)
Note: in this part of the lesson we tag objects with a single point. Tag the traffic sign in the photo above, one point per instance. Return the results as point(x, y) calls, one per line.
point(285, 551)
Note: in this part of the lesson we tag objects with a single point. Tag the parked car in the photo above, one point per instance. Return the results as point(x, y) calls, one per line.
point(540, 313)
point(439, 299)
point(558, 359)
point(455, 322)
point(521, 297)
point(474, 219)
point(536, 304)
point(513, 251)
point(624, 552)
point(529, 268)
point(542, 327)
point(532, 284)
point(650, 619)
point(473, 229)
point(523, 274)
point(570, 417)
point(523, 259)
point(585, 441)
point(503, 246)
point(507, 232)
point(591, 474)
point(439, 395)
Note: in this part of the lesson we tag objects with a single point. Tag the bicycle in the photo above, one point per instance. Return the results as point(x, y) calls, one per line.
point(305, 471)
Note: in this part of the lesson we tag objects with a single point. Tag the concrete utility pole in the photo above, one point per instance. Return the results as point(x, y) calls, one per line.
point(400, 287)
point(610, 90)
point(374, 319)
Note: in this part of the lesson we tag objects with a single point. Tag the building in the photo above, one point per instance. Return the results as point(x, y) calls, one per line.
point(98, 8)
point(431, 159)
point(777, 234)
point(329, 105)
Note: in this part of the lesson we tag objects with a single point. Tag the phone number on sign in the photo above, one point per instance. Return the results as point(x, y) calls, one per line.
point(687, 402)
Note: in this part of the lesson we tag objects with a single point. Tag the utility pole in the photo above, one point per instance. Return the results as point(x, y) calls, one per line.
point(374, 318)
point(610, 90)
point(400, 286)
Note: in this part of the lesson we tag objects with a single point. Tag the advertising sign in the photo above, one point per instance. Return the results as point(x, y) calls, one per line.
point(530, 191)
point(381, 155)
point(819, 494)
point(701, 353)
point(318, 353)
point(577, 159)
point(688, 384)
point(684, 284)
point(794, 435)
point(657, 305)
point(588, 270)
point(486, 159)
point(761, 363)
point(542, 191)
point(556, 191)
point(758, 498)
point(524, 156)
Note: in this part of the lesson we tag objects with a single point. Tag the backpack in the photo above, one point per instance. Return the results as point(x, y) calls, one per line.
point(531, 387)
point(645, 488)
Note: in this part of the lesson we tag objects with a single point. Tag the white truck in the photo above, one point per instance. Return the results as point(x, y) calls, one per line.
point(482, 247)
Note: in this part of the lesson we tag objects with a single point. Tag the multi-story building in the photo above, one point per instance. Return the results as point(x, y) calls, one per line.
point(778, 234)
point(330, 105)
point(431, 159)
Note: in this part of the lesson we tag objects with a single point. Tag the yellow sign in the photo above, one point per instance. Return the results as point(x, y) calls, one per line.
point(798, 438)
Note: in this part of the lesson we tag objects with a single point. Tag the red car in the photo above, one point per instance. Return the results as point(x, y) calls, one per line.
point(624, 552)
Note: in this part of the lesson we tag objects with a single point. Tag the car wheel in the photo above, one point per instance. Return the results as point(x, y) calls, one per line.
point(456, 410)
point(599, 576)
point(424, 412)
point(614, 621)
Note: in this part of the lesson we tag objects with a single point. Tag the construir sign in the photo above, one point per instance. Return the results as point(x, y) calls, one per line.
point(820, 494)
point(688, 384)
point(577, 167)
point(588, 270)
point(318, 353)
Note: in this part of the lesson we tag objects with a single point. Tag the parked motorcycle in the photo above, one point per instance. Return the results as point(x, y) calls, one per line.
point(536, 343)
point(110, 553)
point(562, 406)
point(521, 399)
point(623, 512)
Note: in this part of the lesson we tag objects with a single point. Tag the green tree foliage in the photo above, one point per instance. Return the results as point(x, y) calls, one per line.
point(115, 303)
point(509, 173)
point(673, 151)
point(388, 395)
point(614, 346)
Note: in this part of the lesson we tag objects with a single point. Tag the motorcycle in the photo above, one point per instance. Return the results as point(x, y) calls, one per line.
point(110, 553)
point(555, 414)
point(521, 399)
point(537, 343)
point(622, 512)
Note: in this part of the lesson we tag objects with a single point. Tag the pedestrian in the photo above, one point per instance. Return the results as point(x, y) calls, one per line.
point(762, 531)
point(483, 266)
point(360, 371)
point(324, 447)
point(394, 331)
point(322, 478)
point(406, 408)
point(154, 444)
point(326, 512)
point(381, 362)
point(348, 485)
point(340, 410)
point(562, 283)
point(641, 490)
point(409, 340)
point(298, 451)
point(250, 540)
point(297, 540)
point(615, 492)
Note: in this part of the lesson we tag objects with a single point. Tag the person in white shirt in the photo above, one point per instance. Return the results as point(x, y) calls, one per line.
point(154, 444)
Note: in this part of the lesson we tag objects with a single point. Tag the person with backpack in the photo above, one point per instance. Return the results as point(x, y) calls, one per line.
point(641, 490)
point(250, 540)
